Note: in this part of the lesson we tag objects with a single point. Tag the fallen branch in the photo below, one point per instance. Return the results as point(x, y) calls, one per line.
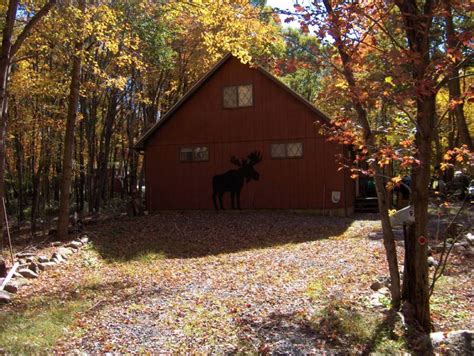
point(9, 275)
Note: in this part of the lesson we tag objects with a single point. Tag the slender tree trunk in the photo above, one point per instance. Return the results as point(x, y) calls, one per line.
point(20, 179)
point(5, 54)
point(82, 174)
point(7, 51)
point(91, 149)
point(454, 84)
point(370, 142)
point(438, 147)
point(104, 153)
point(417, 22)
point(66, 177)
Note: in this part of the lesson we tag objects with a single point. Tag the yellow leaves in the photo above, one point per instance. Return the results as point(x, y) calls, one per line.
point(341, 84)
point(233, 27)
point(118, 82)
point(389, 80)
point(394, 182)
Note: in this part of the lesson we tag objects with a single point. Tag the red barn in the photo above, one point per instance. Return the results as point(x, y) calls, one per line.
point(232, 111)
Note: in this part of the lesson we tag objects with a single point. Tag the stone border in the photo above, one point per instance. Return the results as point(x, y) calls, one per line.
point(32, 264)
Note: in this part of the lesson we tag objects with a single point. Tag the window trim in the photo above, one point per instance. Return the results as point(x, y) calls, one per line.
point(194, 155)
point(237, 94)
point(286, 150)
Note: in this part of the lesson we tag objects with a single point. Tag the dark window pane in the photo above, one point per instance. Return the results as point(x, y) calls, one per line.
point(230, 97)
point(186, 154)
point(278, 150)
point(201, 154)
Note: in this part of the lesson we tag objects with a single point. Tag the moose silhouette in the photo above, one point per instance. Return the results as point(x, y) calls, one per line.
point(232, 181)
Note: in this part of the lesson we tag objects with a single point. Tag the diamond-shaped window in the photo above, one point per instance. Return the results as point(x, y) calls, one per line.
point(278, 150)
point(193, 154)
point(294, 149)
point(245, 95)
point(230, 97)
point(286, 150)
point(201, 154)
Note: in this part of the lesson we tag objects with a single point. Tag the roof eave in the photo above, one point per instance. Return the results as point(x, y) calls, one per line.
point(140, 145)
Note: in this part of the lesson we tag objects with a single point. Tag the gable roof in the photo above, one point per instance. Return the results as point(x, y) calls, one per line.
point(140, 145)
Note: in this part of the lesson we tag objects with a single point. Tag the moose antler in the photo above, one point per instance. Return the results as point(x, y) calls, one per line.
point(254, 158)
point(236, 161)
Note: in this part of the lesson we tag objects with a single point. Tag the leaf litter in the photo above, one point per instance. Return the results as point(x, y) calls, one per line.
point(225, 283)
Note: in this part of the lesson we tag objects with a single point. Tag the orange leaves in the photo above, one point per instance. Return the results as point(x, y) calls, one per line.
point(406, 143)
point(458, 156)
point(455, 103)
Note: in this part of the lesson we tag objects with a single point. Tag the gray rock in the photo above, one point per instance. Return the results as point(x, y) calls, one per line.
point(458, 247)
point(45, 266)
point(464, 243)
point(33, 267)
point(42, 259)
point(65, 252)
point(75, 245)
point(469, 253)
point(25, 254)
point(27, 273)
point(58, 257)
point(438, 248)
point(56, 243)
point(376, 286)
point(374, 236)
point(469, 238)
point(17, 275)
point(5, 297)
point(459, 342)
point(84, 239)
point(432, 262)
point(376, 298)
point(385, 281)
point(285, 347)
point(11, 287)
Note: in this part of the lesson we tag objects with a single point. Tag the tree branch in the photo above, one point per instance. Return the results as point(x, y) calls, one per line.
point(29, 26)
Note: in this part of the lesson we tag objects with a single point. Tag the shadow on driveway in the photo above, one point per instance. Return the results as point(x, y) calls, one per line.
point(198, 234)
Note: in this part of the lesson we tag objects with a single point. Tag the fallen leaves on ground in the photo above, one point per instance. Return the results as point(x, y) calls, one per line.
point(229, 282)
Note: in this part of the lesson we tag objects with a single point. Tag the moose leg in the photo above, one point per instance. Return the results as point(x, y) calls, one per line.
point(238, 200)
point(214, 200)
point(232, 199)
point(220, 200)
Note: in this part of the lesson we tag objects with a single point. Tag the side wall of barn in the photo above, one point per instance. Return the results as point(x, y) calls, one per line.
point(276, 117)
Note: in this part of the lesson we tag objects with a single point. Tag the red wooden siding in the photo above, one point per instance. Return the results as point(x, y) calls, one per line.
point(276, 116)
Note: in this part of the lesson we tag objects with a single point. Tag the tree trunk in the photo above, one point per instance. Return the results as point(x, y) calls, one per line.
point(103, 163)
point(370, 142)
point(66, 177)
point(82, 174)
point(5, 54)
point(20, 179)
point(417, 23)
point(7, 51)
point(388, 237)
point(454, 84)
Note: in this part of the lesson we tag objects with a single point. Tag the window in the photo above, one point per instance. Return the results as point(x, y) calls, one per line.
point(286, 150)
point(238, 96)
point(194, 154)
